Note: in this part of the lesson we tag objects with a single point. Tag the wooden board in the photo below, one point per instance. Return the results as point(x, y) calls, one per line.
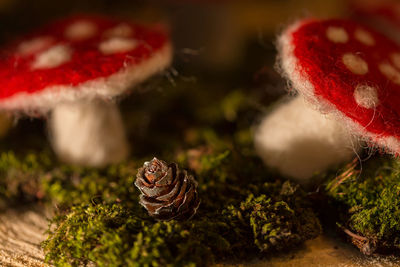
point(21, 232)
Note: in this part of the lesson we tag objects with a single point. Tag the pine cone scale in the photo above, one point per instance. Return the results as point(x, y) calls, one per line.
point(167, 192)
point(143, 182)
point(185, 209)
point(168, 178)
point(179, 198)
point(171, 194)
point(150, 204)
point(151, 191)
point(187, 201)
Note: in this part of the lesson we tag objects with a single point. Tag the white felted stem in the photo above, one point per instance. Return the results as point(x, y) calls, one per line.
point(299, 141)
point(88, 133)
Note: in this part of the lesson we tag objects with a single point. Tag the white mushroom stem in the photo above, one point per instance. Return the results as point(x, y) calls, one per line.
point(299, 141)
point(88, 133)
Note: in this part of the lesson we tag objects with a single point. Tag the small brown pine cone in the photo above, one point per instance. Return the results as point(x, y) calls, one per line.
point(167, 192)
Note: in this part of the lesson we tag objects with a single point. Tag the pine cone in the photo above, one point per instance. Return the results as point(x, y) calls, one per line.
point(167, 192)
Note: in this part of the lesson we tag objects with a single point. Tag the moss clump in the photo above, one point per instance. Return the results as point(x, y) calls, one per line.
point(238, 218)
point(69, 185)
point(20, 177)
point(369, 205)
point(37, 176)
point(277, 221)
point(114, 235)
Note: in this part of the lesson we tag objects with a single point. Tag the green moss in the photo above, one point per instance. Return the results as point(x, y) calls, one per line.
point(113, 235)
point(21, 178)
point(71, 185)
point(369, 203)
point(236, 219)
point(277, 221)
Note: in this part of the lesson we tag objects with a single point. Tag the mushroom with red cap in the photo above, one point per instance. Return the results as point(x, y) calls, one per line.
point(347, 71)
point(74, 68)
point(383, 15)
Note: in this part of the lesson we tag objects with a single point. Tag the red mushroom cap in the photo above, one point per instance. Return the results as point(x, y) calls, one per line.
point(349, 69)
point(81, 56)
point(385, 9)
point(383, 15)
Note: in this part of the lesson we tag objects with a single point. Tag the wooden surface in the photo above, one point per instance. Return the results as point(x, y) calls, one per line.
point(327, 251)
point(22, 230)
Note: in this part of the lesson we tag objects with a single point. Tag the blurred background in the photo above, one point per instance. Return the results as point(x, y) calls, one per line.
point(223, 75)
point(220, 29)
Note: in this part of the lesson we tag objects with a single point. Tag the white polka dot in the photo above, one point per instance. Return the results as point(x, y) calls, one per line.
point(395, 57)
point(337, 34)
point(366, 96)
point(33, 46)
point(364, 37)
point(390, 72)
point(355, 64)
point(80, 30)
point(53, 57)
point(117, 45)
point(121, 30)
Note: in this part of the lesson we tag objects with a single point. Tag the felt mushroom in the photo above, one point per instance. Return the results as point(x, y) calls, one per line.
point(383, 15)
point(342, 69)
point(74, 68)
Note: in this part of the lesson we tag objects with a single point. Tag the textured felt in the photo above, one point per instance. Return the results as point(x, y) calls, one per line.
point(382, 15)
point(299, 141)
point(331, 74)
point(101, 138)
point(81, 56)
point(387, 10)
